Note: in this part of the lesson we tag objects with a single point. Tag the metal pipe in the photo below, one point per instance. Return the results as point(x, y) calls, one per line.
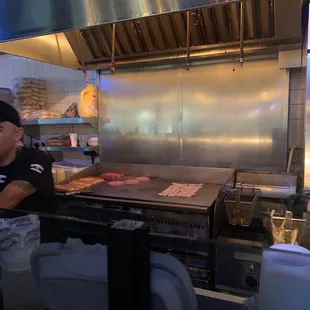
point(82, 57)
point(195, 55)
point(266, 43)
point(290, 159)
point(181, 118)
point(101, 117)
point(241, 32)
point(188, 39)
point(113, 48)
point(59, 50)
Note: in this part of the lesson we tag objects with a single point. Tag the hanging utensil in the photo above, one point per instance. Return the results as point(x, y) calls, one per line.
point(188, 39)
point(241, 33)
point(113, 48)
point(82, 58)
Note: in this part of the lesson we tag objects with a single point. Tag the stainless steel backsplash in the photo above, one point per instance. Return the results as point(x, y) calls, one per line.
point(210, 115)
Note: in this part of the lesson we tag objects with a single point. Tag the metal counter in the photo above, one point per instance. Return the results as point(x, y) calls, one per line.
point(147, 192)
point(210, 300)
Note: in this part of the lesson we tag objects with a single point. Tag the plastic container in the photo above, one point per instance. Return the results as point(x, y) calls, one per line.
point(73, 139)
point(83, 140)
point(19, 289)
point(60, 174)
point(240, 205)
point(285, 278)
point(88, 106)
point(54, 175)
point(93, 141)
point(69, 169)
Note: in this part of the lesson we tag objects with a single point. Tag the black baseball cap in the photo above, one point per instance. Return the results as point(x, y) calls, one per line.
point(9, 114)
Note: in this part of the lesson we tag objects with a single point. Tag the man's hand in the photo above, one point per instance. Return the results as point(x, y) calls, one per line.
point(14, 193)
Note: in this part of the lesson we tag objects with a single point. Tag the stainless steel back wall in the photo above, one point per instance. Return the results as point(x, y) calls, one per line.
point(307, 111)
point(207, 116)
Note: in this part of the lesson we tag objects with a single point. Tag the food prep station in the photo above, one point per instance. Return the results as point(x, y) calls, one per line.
point(189, 218)
point(201, 218)
point(162, 114)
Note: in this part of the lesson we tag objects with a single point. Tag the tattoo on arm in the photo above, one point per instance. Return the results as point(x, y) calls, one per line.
point(26, 186)
point(14, 193)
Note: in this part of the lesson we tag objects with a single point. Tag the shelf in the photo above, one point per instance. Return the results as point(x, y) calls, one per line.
point(60, 121)
point(71, 149)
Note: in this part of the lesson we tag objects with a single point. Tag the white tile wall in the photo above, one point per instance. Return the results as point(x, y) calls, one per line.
point(63, 88)
point(63, 85)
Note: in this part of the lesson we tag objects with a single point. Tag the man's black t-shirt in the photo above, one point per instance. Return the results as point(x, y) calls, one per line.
point(34, 167)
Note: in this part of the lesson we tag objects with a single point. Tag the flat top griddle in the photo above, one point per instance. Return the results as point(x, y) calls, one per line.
point(148, 192)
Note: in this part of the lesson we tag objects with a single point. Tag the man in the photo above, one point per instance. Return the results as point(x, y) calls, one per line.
point(26, 180)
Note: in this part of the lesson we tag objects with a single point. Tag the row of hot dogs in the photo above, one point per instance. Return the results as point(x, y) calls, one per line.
point(184, 190)
point(113, 179)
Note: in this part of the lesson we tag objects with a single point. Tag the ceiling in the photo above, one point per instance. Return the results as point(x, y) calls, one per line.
point(266, 23)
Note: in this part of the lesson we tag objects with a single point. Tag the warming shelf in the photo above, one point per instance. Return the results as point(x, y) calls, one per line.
point(71, 149)
point(60, 121)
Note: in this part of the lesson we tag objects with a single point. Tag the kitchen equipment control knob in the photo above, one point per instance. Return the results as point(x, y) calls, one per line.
point(252, 268)
point(251, 281)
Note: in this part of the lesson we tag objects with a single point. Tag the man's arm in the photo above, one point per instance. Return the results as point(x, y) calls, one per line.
point(14, 193)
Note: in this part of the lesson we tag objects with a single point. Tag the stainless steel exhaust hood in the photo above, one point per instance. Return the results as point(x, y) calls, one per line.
point(21, 19)
point(69, 32)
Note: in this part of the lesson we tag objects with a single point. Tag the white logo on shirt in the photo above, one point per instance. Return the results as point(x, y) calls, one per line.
point(36, 168)
point(2, 178)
